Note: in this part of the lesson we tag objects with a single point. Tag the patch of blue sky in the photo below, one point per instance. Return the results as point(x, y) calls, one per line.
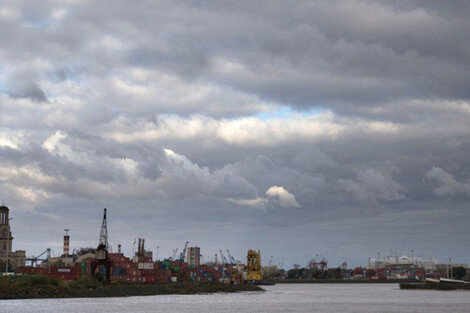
point(37, 23)
point(285, 112)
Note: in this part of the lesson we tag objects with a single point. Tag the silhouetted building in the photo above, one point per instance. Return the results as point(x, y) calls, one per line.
point(16, 258)
point(194, 256)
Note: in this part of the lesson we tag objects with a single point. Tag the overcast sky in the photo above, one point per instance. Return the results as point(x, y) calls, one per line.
point(300, 128)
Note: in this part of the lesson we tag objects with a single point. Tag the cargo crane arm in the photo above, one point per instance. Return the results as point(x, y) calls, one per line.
point(34, 259)
point(183, 253)
point(222, 256)
point(231, 258)
point(175, 251)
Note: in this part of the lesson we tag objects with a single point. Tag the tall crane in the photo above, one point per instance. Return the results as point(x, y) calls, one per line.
point(231, 258)
point(104, 232)
point(222, 256)
point(102, 250)
point(183, 253)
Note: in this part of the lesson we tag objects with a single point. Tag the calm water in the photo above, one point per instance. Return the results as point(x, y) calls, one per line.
point(280, 298)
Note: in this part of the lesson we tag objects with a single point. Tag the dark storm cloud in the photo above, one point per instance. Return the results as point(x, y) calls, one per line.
point(32, 92)
point(173, 116)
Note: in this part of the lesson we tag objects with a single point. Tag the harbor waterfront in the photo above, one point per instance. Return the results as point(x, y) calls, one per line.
point(38, 286)
point(279, 298)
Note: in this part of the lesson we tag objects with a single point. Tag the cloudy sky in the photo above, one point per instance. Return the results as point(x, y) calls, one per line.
point(300, 128)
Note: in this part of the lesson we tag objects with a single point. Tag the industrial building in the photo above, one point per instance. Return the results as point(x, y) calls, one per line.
point(427, 264)
point(194, 256)
point(140, 268)
point(13, 259)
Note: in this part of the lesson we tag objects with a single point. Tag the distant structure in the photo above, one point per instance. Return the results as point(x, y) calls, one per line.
point(66, 242)
point(14, 259)
point(253, 266)
point(141, 252)
point(427, 264)
point(104, 232)
point(102, 265)
point(194, 256)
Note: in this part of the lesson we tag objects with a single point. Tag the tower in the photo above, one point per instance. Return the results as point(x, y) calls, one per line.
point(5, 233)
point(66, 242)
point(12, 259)
point(194, 256)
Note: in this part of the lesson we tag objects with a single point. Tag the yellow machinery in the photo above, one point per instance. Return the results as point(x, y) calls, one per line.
point(253, 266)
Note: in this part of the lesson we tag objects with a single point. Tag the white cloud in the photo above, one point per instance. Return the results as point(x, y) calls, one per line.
point(8, 13)
point(448, 186)
point(52, 142)
point(248, 131)
point(11, 139)
point(258, 202)
point(275, 194)
point(286, 199)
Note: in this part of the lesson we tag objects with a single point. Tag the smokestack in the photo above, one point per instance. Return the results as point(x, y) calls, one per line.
point(66, 242)
point(143, 246)
point(119, 248)
point(139, 248)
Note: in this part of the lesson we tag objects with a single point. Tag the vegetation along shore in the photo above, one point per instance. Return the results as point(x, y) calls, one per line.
point(38, 286)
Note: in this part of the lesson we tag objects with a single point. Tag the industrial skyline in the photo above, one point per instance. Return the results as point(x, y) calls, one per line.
point(337, 128)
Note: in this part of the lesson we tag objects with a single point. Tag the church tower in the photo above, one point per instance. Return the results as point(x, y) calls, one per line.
point(5, 234)
point(17, 258)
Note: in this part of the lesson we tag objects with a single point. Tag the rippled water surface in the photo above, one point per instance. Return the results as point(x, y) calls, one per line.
point(280, 298)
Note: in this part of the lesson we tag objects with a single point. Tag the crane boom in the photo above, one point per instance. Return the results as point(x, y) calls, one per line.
point(231, 258)
point(183, 253)
point(222, 256)
point(34, 259)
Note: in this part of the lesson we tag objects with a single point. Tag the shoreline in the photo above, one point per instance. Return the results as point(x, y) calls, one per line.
point(42, 287)
point(332, 281)
point(124, 290)
point(434, 286)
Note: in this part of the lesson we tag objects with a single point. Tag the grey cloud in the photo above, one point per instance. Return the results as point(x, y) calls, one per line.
point(391, 76)
point(32, 92)
point(372, 184)
point(347, 55)
point(448, 186)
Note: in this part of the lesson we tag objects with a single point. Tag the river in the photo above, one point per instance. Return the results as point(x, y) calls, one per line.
point(328, 298)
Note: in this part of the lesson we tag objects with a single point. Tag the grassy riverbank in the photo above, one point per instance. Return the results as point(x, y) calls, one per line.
point(333, 281)
point(37, 286)
point(435, 286)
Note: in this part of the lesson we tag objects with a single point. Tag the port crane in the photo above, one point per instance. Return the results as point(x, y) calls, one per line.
point(223, 258)
point(318, 265)
point(183, 253)
point(34, 259)
point(104, 232)
point(175, 251)
point(231, 258)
